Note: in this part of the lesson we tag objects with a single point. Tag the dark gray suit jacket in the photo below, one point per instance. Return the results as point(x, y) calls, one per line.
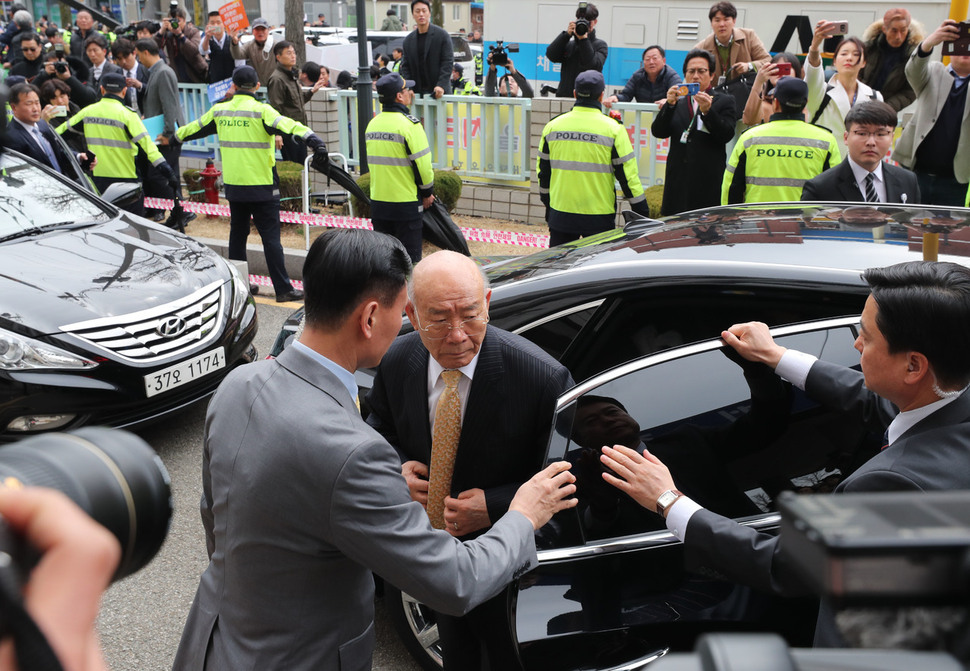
point(932, 455)
point(439, 58)
point(507, 418)
point(301, 501)
point(838, 184)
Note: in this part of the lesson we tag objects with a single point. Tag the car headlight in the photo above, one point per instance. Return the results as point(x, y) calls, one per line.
point(240, 290)
point(19, 352)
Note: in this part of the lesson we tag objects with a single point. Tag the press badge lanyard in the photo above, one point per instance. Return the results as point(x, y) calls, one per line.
point(690, 124)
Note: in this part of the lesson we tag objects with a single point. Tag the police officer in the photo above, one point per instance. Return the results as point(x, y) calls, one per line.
point(771, 162)
point(581, 152)
point(246, 129)
point(461, 86)
point(115, 133)
point(401, 177)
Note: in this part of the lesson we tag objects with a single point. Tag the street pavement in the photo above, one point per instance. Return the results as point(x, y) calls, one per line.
point(142, 616)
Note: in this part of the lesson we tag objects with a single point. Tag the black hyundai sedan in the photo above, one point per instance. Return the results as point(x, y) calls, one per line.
point(636, 315)
point(106, 318)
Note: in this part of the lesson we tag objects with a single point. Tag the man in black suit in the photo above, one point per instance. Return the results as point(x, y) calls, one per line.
point(869, 130)
point(136, 74)
point(428, 54)
point(507, 389)
point(32, 136)
point(913, 387)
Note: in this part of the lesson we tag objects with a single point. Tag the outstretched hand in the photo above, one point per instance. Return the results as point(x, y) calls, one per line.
point(640, 475)
point(544, 494)
point(753, 341)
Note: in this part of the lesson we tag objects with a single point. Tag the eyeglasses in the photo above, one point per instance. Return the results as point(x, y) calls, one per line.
point(474, 326)
point(29, 50)
point(879, 134)
point(697, 71)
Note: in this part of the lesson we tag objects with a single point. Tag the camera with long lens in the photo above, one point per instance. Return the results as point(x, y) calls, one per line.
point(173, 13)
point(499, 52)
point(113, 475)
point(582, 23)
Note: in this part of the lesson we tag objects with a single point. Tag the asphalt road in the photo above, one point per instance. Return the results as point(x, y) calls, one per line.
point(142, 616)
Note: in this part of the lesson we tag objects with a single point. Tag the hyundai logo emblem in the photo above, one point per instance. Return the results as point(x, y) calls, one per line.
point(170, 327)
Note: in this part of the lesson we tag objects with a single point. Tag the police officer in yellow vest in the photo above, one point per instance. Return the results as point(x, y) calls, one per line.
point(246, 129)
point(399, 158)
point(461, 86)
point(115, 134)
point(771, 162)
point(581, 152)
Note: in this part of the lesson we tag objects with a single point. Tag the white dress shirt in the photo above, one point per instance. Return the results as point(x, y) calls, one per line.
point(860, 179)
point(436, 385)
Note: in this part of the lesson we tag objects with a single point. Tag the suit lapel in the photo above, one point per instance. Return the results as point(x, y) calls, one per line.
point(954, 413)
point(485, 389)
point(848, 187)
point(303, 366)
point(416, 395)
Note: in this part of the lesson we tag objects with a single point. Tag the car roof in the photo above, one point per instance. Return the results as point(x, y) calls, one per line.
point(829, 242)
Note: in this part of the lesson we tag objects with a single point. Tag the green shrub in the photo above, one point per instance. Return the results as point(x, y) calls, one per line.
point(447, 189)
point(291, 185)
point(655, 198)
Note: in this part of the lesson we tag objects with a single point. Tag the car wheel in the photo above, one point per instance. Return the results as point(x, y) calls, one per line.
point(416, 627)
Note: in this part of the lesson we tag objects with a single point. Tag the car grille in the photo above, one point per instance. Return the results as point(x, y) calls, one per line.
point(163, 332)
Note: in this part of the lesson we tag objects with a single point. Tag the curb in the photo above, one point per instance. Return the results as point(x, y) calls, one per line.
point(293, 258)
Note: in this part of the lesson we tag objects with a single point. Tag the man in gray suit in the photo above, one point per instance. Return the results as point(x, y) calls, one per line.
point(302, 500)
point(913, 386)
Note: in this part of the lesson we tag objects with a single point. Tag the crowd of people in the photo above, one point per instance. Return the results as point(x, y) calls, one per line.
point(744, 126)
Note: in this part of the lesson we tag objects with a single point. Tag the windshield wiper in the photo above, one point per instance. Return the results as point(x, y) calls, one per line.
point(34, 230)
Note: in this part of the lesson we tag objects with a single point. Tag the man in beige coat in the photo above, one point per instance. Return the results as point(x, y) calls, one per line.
point(736, 50)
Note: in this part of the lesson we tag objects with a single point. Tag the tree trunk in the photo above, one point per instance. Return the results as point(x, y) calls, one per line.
point(437, 13)
point(294, 29)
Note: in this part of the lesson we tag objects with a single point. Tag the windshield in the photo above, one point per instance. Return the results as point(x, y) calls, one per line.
point(31, 199)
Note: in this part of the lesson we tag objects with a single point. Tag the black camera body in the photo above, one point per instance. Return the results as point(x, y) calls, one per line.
point(499, 52)
point(60, 67)
point(582, 23)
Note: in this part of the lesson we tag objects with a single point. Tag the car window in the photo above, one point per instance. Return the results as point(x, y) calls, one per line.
point(555, 332)
point(463, 51)
point(655, 318)
point(31, 198)
point(733, 434)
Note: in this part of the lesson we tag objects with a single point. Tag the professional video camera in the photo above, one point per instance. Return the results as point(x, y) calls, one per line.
point(582, 23)
point(129, 32)
point(113, 475)
point(897, 564)
point(499, 55)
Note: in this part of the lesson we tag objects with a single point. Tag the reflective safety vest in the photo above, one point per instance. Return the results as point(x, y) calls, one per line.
point(247, 146)
point(399, 158)
point(395, 66)
point(771, 162)
point(581, 153)
point(113, 133)
point(479, 67)
point(466, 89)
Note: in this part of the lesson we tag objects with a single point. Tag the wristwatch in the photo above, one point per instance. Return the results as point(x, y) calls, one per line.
point(666, 500)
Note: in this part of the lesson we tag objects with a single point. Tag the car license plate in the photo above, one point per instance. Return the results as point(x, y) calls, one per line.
point(182, 373)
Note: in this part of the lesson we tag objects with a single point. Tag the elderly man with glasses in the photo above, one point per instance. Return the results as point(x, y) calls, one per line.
point(468, 407)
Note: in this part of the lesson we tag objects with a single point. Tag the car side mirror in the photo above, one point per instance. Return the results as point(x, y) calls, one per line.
point(122, 193)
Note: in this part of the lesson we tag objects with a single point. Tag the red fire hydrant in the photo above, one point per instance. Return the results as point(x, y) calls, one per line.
point(209, 176)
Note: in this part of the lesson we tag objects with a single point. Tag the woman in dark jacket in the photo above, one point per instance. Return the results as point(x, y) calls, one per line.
point(699, 127)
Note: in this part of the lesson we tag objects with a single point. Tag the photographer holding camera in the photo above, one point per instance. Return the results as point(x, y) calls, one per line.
point(78, 559)
point(68, 70)
point(512, 84)
point(179, 39)
point(578, 49)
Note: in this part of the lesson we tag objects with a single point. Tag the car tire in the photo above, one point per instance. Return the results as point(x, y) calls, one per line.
point(416, 627)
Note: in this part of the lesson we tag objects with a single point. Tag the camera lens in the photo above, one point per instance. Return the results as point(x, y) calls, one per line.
point(582, 26)
point(113, 475)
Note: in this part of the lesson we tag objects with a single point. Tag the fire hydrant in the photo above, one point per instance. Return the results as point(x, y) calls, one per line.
point(209, 176)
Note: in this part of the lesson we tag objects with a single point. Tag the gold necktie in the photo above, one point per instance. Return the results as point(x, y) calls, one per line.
point(444, 447)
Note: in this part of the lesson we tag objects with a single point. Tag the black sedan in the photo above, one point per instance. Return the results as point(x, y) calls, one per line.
point(106, 318)
point(636, 316)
